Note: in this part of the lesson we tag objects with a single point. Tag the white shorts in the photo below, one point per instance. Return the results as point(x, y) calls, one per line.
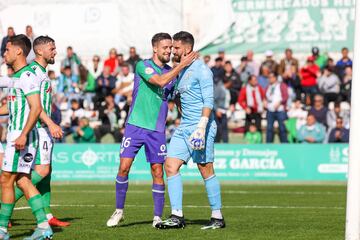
point(45, 149)
point(20, 161)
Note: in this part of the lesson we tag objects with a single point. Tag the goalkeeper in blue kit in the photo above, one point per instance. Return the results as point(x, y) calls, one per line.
point(194, 138)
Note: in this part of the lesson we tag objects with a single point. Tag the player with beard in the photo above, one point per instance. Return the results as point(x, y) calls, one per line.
point(194, 137)
point(145, 125)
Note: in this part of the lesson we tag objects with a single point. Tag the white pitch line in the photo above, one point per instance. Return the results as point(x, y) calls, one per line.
point(225, 192)
point(191, 206)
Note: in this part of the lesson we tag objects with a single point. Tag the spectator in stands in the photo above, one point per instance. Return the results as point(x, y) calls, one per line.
point(30, 34)
point(121, 61)
point(329, 85)
point(112, 62)
point(253, 136)
point(287, 63)
point(124, 84)
point(319, 110)
point(221, 105)
point(109, 115)
point(344, 62)
point(276, 96)
point(71, 60)
point(336, 113)
point(312, 131)
point(10, 33)
point(87, 84)
point(345, 88)
point(105, 83)
point(55, 114)
point(207, 60)
point(84, 133)
point(233, 78)
point(54, 81)
point(297, 113)
point(218, 70)
point(221, 54)
point(68, 83)
point(292, 79)
point(269, 62)
point(133, 58)
point(309, 74)
point(251, 99)
point(252, 64)
point(245, 71)
point(339, 134)
point(264, 76)
point(72, 116)
point(95, 67)
point(319, 60)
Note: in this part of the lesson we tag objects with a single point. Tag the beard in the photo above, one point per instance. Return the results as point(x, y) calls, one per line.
point(176, 58)
point(50, 61)
point(164, 58)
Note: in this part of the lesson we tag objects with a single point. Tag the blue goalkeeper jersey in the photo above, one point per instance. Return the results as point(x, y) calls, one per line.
point(196, 88)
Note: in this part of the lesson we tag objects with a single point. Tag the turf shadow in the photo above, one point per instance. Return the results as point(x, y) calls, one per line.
point(135, 223)
point(197, 221)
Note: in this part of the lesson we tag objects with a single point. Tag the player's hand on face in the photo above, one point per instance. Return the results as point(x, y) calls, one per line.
point(20, 142)
point(197, 139)
point(187, 59)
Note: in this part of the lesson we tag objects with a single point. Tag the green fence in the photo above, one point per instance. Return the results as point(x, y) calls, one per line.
point(233, 162)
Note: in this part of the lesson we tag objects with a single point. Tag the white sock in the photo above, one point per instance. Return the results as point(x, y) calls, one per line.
point(177, 212)
point(216, 214)
point(43, 225)
point(49, 216)
point(120, 210)
point(3, 229)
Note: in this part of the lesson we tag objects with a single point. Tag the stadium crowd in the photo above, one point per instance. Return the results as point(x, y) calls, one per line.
point(305, 103)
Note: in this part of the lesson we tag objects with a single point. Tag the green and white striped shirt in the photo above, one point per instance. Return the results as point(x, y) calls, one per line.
point(45, 88)
point(23, 84)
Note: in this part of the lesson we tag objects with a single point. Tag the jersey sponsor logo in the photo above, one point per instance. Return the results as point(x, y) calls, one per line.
point(28, 157)
point(149, 70)
point(32, 86)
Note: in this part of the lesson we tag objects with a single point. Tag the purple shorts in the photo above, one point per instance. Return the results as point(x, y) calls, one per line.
point(135, 137)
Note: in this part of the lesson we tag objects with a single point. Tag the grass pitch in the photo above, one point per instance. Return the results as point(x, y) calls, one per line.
point(251, 212)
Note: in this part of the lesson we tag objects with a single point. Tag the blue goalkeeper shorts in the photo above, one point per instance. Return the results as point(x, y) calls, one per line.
point(180, 147)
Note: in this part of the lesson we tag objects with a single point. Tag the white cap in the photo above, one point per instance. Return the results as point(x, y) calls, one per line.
point(269, 53)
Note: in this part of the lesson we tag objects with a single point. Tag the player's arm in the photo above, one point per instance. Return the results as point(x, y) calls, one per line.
point(4, 110)
point(162, 80)
point(197, 138)
point(33, 100)
point(54, 129)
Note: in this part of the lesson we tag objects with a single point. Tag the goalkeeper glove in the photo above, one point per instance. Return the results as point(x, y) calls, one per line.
point(197, 138)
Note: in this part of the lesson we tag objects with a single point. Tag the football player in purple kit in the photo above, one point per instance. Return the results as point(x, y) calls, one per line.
point(145, 125)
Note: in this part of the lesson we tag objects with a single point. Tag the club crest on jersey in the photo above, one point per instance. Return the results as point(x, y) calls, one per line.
point(149, 70)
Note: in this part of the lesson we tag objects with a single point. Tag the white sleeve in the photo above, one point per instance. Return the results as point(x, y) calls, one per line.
point(29, 84)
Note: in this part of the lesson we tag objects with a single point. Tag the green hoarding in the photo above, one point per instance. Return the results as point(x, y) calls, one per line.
point(261, 25)
point(233, 162)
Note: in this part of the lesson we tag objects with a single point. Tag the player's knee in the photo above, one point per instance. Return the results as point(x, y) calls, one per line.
point(124, 171)
point(5, 180)
point(23, 181)
point(157, 173)
point(42, 170)
point(170, 169)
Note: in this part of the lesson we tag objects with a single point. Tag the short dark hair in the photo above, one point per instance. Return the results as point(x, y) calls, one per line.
point(160, 36)
point(41, 40)
point(184, 37)
point(21, 41)
point(228, 62)
point(344, 48)
point(218, 59)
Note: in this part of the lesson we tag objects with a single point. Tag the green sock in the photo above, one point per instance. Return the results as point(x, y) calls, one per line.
point(37, 208)
point(35, 179)
point(5, 214)
point(45, 190)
